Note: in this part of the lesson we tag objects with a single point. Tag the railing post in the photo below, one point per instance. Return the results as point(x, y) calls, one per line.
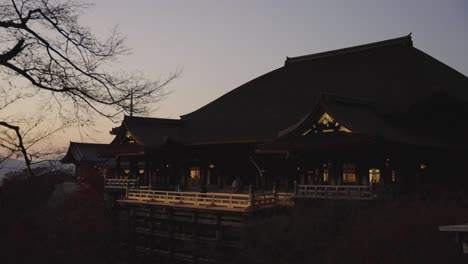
point(126, 190)
point(275, 192)
point(251, 196)
point(295, 187)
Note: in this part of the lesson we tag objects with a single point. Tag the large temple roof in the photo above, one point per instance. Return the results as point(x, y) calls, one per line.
point(392, 74)
point(367, 88)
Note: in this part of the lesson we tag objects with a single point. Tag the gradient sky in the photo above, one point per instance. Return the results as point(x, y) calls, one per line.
point(223, 44)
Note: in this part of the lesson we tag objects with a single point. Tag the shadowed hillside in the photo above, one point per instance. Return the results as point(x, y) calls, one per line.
point(404, 231)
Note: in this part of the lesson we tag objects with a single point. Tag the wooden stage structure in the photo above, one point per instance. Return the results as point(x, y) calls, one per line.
point(191, 227)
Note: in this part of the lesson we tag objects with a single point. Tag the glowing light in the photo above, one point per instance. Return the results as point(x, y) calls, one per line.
point(374, 175)
point(195, 173)
point(307, 132)
point(211, 166)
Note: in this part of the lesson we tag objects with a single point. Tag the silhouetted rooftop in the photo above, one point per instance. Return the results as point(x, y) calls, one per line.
point(392, 74)
point(78, 152)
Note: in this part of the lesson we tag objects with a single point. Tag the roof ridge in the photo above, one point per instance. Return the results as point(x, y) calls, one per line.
point(126, 117)
point(400, 41)
point(86, 143)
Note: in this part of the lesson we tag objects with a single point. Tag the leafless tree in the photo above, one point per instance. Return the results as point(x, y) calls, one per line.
point(43, 45)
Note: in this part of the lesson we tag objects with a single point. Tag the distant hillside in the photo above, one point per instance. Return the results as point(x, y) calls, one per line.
point(11, 165)
point(15, 164)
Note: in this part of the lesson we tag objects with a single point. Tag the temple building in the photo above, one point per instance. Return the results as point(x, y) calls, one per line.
point(383, 114)
point(87, 163)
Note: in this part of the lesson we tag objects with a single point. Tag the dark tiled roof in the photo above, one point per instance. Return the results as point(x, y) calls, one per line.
point(367, 126)
point(150, 132)
point(78, 152)
point(392, 74)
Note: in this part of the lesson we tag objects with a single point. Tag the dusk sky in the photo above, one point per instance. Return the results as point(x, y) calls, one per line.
point(223, 44)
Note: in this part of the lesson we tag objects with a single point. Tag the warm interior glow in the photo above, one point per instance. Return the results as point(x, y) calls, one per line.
point(195, 172)
point(326, 124)
point(326, 175)
point(141, 171)
point(374, 175)
point(423, 166)
point(126, 171)
point(129, 137)
point(211, 166)
point(349, 172)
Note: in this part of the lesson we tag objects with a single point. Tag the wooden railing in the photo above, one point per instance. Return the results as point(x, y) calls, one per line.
point(121, 183)
point(223, 200)
point(361, 192)
point(461, 232)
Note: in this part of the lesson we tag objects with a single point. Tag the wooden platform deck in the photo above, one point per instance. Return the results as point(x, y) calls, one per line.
point(120, 183)
point(349, 192)
point(209, 201)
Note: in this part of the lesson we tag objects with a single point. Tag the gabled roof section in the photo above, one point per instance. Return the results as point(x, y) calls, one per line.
point(393, 74)
point(78, 152)
point(322, 109)
point(351, 122)
point(401, 41)
point(147, 131)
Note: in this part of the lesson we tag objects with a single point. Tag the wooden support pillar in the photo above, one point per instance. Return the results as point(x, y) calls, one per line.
point(170, 222)
point(131, 227)
point(148, 170)
point(151, 231)
point(117, 168)
point(244, 238)
point(195, 232)
point(219, 231)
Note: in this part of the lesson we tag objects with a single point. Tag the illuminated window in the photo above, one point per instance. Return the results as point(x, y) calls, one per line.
point(141, 171)
point(374, 175)
point(422, 166)
point(126, 173)
point(393, 176)
point(349, 173)
point(195, 173)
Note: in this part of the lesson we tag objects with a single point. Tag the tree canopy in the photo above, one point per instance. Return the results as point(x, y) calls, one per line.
point(46, 51)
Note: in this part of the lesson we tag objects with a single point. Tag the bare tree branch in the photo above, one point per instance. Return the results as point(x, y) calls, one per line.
point(43, 43)
point(20, 145)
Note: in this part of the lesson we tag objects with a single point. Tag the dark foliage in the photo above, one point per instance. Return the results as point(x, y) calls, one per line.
point(77, 230)
point(20, 192)
point(403, 231)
